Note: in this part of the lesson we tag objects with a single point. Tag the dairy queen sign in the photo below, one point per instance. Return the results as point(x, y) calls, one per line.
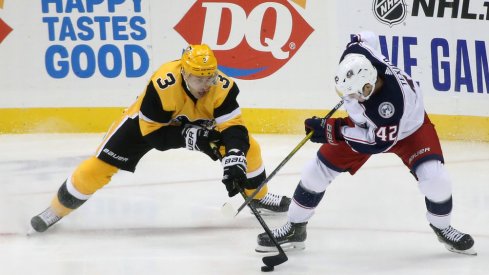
point(251, 39)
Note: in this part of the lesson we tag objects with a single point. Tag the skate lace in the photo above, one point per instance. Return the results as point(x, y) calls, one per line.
point(452, 234)
point(271, 199)
point(282, 231)
point(49, 217)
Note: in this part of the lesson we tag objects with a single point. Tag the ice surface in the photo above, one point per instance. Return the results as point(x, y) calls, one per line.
point(166, 218)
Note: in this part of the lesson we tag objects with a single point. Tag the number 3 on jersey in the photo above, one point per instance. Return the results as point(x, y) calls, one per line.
point(387, 133)
point(170, 80)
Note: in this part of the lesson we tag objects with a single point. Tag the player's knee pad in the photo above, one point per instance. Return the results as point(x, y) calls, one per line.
point(306, 198)
point(439, 209)
point(316, 176)
point(434, 181)
point(255, 178)
point(253, 158)
point(91, 175)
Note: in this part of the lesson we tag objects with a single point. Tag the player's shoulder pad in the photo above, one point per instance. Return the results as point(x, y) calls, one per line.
point(224, 82)
point(226, 94)
point(167, 75)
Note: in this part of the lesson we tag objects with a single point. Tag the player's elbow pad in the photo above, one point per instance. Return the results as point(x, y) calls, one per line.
point(236, 137)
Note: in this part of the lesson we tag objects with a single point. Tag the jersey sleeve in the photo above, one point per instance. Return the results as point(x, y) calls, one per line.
point(367, 37)
point(230, 123)
point(154, 122)
point(151, 111)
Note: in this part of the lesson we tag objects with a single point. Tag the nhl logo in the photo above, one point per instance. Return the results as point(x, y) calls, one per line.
point(390, 12)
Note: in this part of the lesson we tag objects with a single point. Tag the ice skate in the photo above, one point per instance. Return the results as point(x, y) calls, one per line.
point(455, 241)
point(271, 204)
point(290, 236)
point(43, 221)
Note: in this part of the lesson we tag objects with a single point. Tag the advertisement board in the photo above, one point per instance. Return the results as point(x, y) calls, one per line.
point(439, 43)
point(74, 65)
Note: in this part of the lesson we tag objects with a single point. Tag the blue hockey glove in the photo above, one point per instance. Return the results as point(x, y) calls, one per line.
point(325, 130)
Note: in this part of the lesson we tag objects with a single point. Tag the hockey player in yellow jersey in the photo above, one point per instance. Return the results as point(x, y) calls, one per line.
point(187, 103)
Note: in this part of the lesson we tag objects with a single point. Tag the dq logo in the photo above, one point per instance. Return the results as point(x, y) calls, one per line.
point(251, 39)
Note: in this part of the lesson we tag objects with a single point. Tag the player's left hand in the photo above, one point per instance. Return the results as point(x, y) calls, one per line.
point(325, 130)
point(234, 164)
point(200, 139)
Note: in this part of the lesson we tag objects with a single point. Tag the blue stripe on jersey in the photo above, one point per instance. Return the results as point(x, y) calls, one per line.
point(306, 198)
point(439, 208)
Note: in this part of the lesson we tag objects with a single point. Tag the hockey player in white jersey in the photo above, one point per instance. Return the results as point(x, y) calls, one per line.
point(385, 115)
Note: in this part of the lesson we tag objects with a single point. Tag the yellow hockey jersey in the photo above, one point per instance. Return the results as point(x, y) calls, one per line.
point(166, 105)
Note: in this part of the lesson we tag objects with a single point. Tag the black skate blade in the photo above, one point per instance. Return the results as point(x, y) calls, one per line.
point(275, 259)
point(469, 252)
point(269, 213)
point(287, 247)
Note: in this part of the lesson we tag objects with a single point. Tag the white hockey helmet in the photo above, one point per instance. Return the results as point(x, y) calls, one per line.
point(354, 72)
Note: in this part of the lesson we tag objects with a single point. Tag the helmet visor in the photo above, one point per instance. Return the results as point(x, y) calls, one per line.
point(362, 95)
point(199, 85)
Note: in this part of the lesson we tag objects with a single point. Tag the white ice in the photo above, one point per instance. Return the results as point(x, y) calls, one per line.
point(166, 219)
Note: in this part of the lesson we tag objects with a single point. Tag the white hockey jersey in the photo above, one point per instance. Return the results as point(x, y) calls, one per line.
point(391, 114)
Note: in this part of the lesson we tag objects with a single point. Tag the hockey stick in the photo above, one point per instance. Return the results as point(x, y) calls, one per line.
point(269, 261)
point(228, 208)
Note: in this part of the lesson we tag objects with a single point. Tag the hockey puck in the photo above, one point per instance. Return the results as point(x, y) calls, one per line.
point(267, 268)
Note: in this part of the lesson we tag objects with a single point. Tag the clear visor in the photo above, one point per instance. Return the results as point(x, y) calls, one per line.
point(358, 96)
point(201, 82)
point(361, 95)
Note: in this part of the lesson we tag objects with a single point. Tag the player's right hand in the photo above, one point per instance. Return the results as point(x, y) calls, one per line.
point(234, 164)
point(326, 130)
point(200, 139)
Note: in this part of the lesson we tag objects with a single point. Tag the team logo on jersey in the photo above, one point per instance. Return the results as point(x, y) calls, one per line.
point(386, 110)
point(390, 12)
point(202, 123)
point(251, 39)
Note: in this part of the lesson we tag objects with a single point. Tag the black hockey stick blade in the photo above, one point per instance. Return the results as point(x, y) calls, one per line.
point(275, 259)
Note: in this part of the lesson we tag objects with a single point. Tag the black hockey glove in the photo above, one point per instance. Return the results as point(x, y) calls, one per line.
point(199, 139)
point(325, 130)
point(234, 163)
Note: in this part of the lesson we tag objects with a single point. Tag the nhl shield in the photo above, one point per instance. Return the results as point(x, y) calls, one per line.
point(389, 12)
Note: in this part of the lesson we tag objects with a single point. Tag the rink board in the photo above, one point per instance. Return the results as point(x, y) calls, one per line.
point(263, 121)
